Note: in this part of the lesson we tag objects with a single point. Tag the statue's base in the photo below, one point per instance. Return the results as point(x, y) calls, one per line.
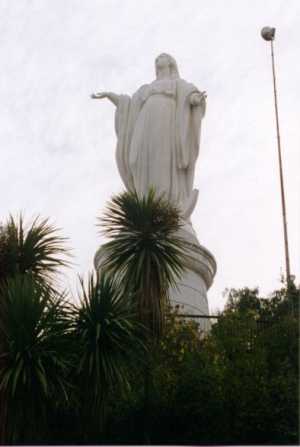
point(191, 291)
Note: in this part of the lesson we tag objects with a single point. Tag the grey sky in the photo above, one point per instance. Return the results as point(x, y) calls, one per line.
point(57, 147)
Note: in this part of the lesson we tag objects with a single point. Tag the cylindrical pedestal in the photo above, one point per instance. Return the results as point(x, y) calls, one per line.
point(191, 290)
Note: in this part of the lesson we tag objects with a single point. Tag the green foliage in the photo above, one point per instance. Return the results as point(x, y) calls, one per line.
point(108, 337)
point(80, 374)
point(183, 379)
point(145, 251)
point(35, 359)
point(255, 345)
point(147, 255)
point(181, 336)
point(237, 385)
point(34, 328)
point(37, 250)
point(174, 398)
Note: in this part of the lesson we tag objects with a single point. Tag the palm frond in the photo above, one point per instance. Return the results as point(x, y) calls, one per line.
point(36, 249)
point(35, 361)
point(108, 335)
point(145, 250)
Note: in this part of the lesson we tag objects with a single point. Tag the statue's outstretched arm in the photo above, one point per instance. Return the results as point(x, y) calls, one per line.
point(113, 97)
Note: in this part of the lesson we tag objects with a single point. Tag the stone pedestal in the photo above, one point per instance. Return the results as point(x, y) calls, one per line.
point(191, 290)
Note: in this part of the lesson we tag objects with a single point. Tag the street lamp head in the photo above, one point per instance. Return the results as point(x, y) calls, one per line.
point(268, 33)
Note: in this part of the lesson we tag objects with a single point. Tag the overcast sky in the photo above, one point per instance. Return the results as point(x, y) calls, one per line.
point(57, 146)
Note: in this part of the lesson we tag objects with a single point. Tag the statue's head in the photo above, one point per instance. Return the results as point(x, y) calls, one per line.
point(164, 60)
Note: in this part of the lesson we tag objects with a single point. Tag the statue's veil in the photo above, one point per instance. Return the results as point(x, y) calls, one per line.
point(173, 65)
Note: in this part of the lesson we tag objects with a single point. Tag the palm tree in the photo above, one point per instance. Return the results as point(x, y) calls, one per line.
point(36, 249)
point(147, 256)
point(145, 251)
point(108, 337)
point(32, 324)
point(35, 360)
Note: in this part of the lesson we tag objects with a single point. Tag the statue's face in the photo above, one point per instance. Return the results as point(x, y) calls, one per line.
point(162, 61)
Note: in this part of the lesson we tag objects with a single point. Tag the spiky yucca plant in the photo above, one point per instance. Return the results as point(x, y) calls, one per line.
point(145, 251)
point(34, 360)
point(30, 320)
point(108, 336)
point(36, 249)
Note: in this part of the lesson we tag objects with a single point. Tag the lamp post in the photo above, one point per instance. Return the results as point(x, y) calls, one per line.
point(268, 34)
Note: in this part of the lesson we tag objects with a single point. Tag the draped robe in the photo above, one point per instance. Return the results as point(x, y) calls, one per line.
point(158, 133)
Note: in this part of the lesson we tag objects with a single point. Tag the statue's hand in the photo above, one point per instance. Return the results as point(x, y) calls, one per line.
point(109, 95)
point(198, 98)
point(99, 95)
point(203, 95)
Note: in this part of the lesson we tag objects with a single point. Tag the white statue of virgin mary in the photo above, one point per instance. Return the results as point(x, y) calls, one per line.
point(158, 131)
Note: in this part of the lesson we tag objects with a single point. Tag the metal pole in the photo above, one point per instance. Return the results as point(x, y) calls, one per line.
point(269, 35)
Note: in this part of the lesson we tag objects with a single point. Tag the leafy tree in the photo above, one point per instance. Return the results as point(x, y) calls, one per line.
point(256, 346)
point(237, 385)
point(126, 423)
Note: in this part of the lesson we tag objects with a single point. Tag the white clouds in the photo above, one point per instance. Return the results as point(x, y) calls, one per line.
point(57, 146)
